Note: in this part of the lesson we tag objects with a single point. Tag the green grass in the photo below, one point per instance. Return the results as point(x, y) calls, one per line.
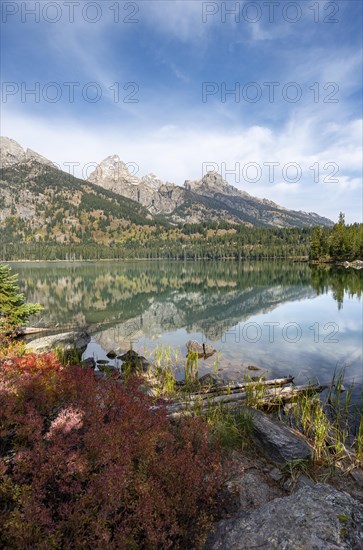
point(294, 468)
point(216, 362)
point(359, 438)
point(326, 422)
point(67, 357)
point(232, 428)
point(165, 361)
point(255, 391)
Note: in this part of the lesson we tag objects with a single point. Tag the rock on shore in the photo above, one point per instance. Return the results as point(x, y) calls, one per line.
point(314, 518)
point(277, 441)
point(356, 264)
point(67, 342)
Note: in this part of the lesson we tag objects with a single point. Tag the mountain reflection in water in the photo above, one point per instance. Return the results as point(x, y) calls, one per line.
point(281, 316)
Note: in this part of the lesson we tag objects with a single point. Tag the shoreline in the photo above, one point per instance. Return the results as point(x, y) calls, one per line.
point(270, 466)
point(354, 264)
point(343, 262)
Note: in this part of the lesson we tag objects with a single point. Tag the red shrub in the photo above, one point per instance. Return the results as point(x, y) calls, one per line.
point(87, 463)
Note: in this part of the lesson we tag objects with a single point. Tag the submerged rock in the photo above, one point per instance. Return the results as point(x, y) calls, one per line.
point(89, 363)
point(203, 350)
point(128, 356)
point(212, 380)
point(135, 361)
point(107, 368)
point(67, 343)
point(314, 518)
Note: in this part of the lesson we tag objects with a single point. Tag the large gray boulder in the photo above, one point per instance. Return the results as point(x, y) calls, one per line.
point(67, 343)
point(314, 518)
point(278, 442)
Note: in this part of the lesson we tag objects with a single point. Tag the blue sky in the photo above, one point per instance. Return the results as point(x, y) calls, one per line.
point(149, 80)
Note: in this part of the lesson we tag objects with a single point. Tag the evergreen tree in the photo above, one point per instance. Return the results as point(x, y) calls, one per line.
point(14, 311)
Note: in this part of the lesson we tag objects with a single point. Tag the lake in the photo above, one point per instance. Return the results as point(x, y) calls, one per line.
point(281, 317)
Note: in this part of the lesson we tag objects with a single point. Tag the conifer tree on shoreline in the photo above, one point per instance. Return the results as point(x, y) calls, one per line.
point(14, 311)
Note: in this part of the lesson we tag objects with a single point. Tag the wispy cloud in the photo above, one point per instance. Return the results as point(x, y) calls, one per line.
point(170, 130)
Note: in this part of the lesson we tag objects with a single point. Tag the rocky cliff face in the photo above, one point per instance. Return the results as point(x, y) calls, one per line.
point(114, 175)
point(12, 153)
point(210, 198)
point(40, 202)
point(211, 184)
point(23, 164)
point(248, 209)
point(158, 197)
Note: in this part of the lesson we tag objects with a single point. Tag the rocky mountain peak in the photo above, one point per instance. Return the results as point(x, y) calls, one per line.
point(151, 192)
point(112, 173)
point(150, 180)
point(209, 198)
point(12, 153)
point(212, 182)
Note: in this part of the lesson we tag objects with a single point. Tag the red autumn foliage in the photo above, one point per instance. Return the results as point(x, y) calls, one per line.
point(89, 464)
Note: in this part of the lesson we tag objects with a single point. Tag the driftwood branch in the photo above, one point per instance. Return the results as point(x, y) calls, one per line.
point(271, 397)
point(239, 387)
point(24, 331)
point(31, 330)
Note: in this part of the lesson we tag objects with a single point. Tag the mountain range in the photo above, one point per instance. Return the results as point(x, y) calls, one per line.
point(210, 198)
point(38, 200)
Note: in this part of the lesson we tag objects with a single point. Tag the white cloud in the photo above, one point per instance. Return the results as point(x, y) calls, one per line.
point(180, 19)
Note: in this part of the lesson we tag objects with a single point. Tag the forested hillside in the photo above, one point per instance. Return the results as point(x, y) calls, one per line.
point(40, 203)
point(343, 242)
point(48, 214)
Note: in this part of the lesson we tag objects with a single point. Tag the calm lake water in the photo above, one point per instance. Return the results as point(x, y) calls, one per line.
point(281, 317)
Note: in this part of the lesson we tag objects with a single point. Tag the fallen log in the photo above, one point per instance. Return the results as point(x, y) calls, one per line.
point(202, 403)
point(25, 331)
point(270, 397)
point(288, 394)
point(239, 387)
point(31, 330)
